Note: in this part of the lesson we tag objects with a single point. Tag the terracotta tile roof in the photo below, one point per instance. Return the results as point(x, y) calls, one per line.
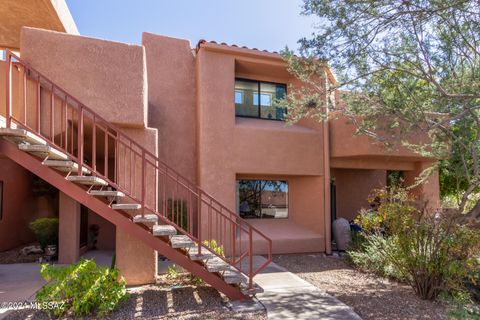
point(230, 45)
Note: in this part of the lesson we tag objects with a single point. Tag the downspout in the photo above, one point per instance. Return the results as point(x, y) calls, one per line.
point(326, 177)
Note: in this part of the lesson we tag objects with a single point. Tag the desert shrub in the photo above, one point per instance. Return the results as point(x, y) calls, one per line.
point(366, 256)
point(431, 252)
point(46, 231)
point(389, 204)
point(175, 273)
point(213, 246)
point(473, 283)
point(172, 271)
point(80, 289)
point(462, 306)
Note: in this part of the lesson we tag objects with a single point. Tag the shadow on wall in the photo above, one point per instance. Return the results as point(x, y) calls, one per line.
point(25, 198)
point(353, 187)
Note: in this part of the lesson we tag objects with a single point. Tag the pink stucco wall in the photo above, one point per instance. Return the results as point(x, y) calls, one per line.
point(69, 230)
point(106, 235)
point(231, 147)
point(353, 186)
point(109, 78)
point(171, 100)
point(189, 106)
point(106, 76)
point(344, 142)
point(18, 205)
point(427, 193)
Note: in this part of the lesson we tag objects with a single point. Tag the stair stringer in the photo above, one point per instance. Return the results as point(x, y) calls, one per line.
point(80, 195)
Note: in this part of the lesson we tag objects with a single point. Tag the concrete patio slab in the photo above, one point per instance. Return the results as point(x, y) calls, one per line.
point(101, 257)
point(18, 283)
point(287, 296)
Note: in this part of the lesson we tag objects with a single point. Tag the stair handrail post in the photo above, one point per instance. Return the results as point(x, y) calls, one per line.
point(144, 186)
point(52, 113)
point(8, 94)
point(199, 221)
point(250, 257)
point(80, 140)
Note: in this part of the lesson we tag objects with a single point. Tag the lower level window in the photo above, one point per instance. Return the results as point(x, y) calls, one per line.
point(262, 199)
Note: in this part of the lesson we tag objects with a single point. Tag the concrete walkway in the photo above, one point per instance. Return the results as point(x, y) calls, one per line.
point(287, 296)
point(18, 283)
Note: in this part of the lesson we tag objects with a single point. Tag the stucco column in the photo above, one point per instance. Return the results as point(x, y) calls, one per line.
point(136, 261)
point(69, 230)
point(429, 191)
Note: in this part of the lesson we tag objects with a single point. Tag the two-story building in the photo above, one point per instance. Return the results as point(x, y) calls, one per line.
point(207, 112)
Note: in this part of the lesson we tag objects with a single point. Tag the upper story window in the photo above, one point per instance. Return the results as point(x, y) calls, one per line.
point(255, 99)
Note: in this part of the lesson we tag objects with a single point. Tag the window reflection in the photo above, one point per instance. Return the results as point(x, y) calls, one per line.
point(256, 99)
point(262, 199)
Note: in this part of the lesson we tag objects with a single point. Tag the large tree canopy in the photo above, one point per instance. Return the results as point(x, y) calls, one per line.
point(415, 63)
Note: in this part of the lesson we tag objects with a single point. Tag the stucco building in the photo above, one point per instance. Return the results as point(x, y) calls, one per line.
point(174, 134)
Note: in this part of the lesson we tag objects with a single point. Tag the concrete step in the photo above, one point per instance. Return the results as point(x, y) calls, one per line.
point(147, 218)
point(181, 242)
point(164, 230)
point(250, 292)
point(126, 206)
point(64, 166)
point(216, 264)
point(106, 193)
point(88, 180)
point(233, 276)
point(193, 254)
point(19, 136)
point(43, 151)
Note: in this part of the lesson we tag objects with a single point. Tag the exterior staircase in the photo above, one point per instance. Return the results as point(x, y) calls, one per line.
point(74, 149)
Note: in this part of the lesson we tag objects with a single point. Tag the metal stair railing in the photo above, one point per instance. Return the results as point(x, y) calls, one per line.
point(36, 104)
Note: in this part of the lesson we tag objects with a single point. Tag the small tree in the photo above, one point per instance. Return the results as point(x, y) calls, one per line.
point(404, 67)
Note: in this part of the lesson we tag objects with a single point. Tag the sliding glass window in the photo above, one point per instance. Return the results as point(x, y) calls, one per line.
point(256, 99)
point(262, 199)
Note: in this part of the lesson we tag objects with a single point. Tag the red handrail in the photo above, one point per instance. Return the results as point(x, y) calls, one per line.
point(131, 169)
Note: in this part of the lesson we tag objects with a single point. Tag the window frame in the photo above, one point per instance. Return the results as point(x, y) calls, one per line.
point(259, 106)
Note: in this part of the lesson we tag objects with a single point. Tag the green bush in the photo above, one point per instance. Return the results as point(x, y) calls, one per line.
point(462, 306)
point(81, 289)
point(213, 246)
point(366, 256)
point(173, 272)
point(472, 284)
point(431, 252)
point(46, 231)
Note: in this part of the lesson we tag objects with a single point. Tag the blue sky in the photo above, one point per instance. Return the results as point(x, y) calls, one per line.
point(262, 24)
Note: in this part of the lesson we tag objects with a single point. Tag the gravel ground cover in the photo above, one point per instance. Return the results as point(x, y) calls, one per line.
point(170, 299)
point(370, 296)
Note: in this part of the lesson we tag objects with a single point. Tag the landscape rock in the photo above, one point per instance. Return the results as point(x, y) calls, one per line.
point(31, 250)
